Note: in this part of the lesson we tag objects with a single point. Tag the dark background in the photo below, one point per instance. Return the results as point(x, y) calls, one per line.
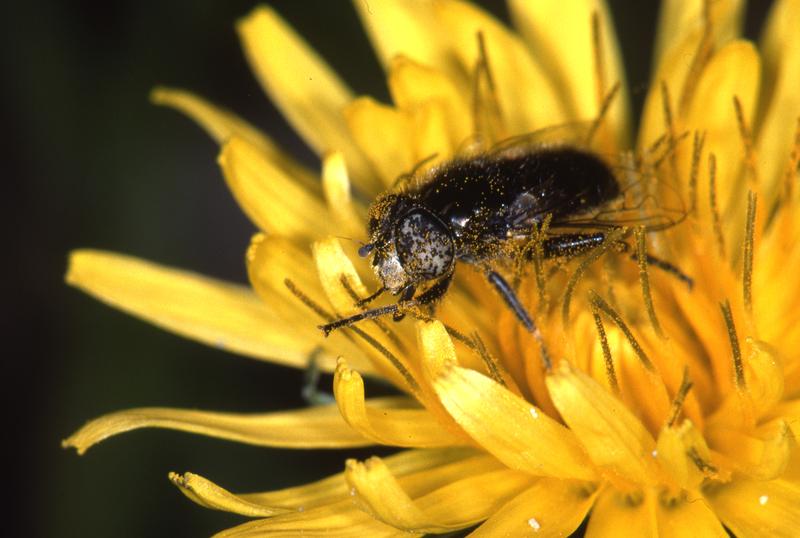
point(88, 162)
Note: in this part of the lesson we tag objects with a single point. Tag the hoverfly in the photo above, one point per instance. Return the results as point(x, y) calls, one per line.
point(480, 210)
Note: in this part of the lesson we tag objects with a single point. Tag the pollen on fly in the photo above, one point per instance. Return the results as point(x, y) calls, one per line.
point(486, 210)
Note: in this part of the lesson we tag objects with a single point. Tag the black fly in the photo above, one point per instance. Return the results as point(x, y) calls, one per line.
point(479, 211)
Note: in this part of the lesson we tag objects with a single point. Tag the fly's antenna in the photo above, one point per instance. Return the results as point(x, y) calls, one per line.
point(365, 249)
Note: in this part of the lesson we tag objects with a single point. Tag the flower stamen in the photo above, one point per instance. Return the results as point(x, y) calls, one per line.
point(751, 163)
point(738, 365)
point(706, 467)
point(793, 166)
point(599, 65)
point(611, 373)
point(611, 239)
point(712, 202)
point(486, 114)
point(703, 52)
point(641, 257)
point(379, 322)
point(604, 106)
point(395, 362)
point(670, 125)
point(680, 398)
point(694, 170)
point(598, 302)
point(747, 267)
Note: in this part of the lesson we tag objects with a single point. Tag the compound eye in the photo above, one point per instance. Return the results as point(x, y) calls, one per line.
point(424, 245)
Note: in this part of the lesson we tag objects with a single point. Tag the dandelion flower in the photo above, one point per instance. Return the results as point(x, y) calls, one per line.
point(668, 410)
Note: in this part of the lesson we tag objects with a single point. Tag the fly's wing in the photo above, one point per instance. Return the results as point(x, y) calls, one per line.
point(575, 134)
point(644, 200)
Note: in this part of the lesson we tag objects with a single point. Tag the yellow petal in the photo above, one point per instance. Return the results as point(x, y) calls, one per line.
point(673, 451)
point(528, 100)
point(688, 518)
point(336, 187)
point(549, 508)
point(508, 427)
point(335, 268)
point(414, 85)
point(615, 440)
point(672, 71)
point(210, 311)
point(396, 427)
point(410, 28)
point(456, 505)
point(222, 124)
point(270, 261)
point(338, 520)
point(419, 472)
point(391, 153)
point(734, 71)
point(625, 515)
point(318, 427)
point(758, 508)
point(207, 494)
point(566, 50)
point(762, 455)
point(272, 199)
point(431, 133)
point(680, 17)
point(306, 90)
point(781, 101)
point(789, 411)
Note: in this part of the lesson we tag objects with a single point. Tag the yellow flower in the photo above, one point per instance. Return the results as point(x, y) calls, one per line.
point(668, 411)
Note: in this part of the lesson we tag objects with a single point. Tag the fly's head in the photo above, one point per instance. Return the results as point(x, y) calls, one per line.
point(409, 244)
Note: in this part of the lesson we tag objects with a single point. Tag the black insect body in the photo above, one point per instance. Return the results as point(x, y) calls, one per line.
point(479, 211)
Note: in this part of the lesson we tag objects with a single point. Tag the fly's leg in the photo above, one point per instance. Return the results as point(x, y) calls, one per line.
point(429, 296)
point(366, 300)
point(406, 296)
point(568, 245)
point(511, 299)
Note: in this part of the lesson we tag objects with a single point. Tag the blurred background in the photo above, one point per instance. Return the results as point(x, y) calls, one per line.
point(89, 162)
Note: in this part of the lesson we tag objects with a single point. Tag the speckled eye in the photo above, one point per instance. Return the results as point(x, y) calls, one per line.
point(424, 245)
